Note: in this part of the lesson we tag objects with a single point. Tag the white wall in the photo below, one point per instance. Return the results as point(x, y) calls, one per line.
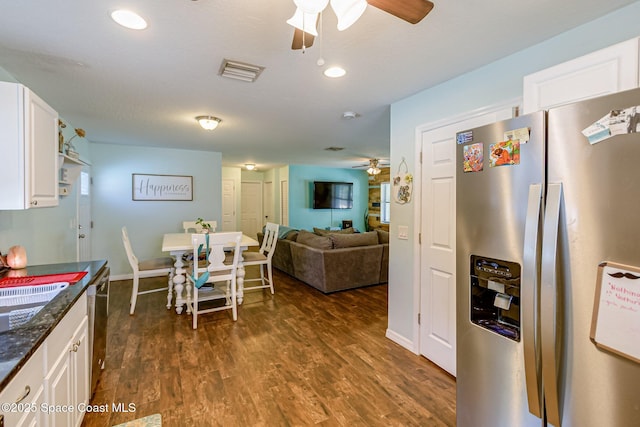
point(496, 82)
point(147, 221)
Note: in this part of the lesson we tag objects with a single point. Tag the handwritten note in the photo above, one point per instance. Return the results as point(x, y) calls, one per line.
point(616, 314)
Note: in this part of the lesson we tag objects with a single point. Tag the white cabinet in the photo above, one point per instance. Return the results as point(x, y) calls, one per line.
point(52, 387)
point(603, 72)
point(66, 382)
point(25, 394)
point(29, 146)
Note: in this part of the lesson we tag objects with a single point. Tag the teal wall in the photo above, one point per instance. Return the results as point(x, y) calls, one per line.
point(301, 212)
point(494, 83)
point(147, 221)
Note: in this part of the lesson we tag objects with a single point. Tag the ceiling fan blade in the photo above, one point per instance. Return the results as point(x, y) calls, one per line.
point(411, 11)
point(297, 39)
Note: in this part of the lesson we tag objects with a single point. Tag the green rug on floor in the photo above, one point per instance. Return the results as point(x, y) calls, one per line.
point(154, 420)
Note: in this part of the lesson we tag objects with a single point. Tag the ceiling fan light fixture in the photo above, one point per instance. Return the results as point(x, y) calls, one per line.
point(304, 21)
point(208, 122)
point(373, 170)
point(311, 6)
point(348, 11)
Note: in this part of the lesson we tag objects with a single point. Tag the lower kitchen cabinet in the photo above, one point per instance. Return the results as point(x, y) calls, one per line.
point(22, 399)
point(52, 388)
point(67, 383)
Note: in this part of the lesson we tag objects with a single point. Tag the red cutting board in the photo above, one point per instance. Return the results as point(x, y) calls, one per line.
point(10, 282)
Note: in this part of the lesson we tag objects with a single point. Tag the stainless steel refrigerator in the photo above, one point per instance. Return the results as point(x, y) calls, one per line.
point(543, 200)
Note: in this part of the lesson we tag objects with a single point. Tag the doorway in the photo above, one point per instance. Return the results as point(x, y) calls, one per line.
point(251, 207)
point(437, 293)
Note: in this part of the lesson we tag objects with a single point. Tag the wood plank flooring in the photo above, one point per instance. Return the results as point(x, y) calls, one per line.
point(295, 358)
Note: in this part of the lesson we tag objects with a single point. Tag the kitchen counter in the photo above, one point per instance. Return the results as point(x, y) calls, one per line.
point(17, 345)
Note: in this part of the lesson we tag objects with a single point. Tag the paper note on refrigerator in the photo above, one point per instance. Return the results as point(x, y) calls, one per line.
point(616, 122)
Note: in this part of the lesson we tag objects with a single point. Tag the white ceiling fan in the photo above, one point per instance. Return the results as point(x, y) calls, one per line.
point(348, 11)
point(373, 167)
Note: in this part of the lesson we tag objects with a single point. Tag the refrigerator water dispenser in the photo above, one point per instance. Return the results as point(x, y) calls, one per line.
point(495, 296)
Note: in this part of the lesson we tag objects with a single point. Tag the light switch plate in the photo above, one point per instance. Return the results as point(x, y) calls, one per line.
point(403, 232)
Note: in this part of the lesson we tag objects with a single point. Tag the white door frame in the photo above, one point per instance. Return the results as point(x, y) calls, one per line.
point(417, 191)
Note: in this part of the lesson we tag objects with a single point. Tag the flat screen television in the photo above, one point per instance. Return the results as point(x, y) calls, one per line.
point(332, 195)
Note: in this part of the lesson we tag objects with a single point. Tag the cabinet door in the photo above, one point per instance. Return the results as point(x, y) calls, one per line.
point(80, 366)
point(41, 152)
point(58, 391)
point(603, 72)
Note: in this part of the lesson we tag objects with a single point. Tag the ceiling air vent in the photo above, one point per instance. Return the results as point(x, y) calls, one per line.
point(240, 70)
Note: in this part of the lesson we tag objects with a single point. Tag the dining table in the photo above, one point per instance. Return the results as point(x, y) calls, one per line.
point(178, 244)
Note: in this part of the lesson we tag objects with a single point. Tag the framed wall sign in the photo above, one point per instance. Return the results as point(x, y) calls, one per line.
point(162, 187)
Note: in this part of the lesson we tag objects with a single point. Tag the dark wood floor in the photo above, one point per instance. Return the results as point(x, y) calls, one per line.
point(296, 358)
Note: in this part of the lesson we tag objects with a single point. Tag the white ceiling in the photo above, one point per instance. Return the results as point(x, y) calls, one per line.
point(146, 87)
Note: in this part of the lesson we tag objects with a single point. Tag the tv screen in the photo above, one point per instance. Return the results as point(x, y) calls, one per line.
point(332, 195)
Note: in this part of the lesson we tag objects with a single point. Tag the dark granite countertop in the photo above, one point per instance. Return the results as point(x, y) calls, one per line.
point(17, 345)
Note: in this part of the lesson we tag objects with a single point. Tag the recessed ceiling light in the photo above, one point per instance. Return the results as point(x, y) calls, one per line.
point(129, 19)
point(335, 72)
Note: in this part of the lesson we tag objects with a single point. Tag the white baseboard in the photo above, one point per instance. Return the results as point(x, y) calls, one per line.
point(400, 340)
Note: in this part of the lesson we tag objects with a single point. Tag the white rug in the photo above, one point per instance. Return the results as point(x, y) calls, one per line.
point(154, 420)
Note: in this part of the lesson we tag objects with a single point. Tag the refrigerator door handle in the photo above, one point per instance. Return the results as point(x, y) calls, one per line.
point(548, 303)
point(530, 301)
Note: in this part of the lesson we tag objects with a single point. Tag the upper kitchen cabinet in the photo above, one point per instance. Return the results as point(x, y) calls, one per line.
point(609, 70)
point(29, 146)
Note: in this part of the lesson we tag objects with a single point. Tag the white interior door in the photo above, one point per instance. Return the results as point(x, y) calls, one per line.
point(229, 205)
point(85, 224)
point(268, 202)
point(438, 231)
point(251, 207)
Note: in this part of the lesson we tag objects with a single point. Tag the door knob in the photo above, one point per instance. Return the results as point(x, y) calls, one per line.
point(81, 236)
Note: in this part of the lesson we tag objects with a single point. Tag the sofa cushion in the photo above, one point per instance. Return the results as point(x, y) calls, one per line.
point(353, 240)
point(323, 232)
point(313, 240)
point(292, 235)
point(383, 236)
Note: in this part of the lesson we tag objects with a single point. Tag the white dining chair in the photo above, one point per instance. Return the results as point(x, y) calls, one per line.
point(214, 277)
point(192, 227)
point(262, 258)
point(148, 268)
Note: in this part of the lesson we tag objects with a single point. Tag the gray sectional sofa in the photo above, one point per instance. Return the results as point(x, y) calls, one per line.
point(332, 261)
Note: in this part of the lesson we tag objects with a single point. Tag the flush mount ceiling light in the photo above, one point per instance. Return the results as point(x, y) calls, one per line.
point(335, 72)
point(129, 19)
point(208, 122)
point(349, 115)
point(250, 166)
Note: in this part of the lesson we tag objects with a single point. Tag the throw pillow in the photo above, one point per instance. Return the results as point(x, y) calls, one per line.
point(313, 240)
point(323, 232)
point(383, 236)
point(355, 239)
